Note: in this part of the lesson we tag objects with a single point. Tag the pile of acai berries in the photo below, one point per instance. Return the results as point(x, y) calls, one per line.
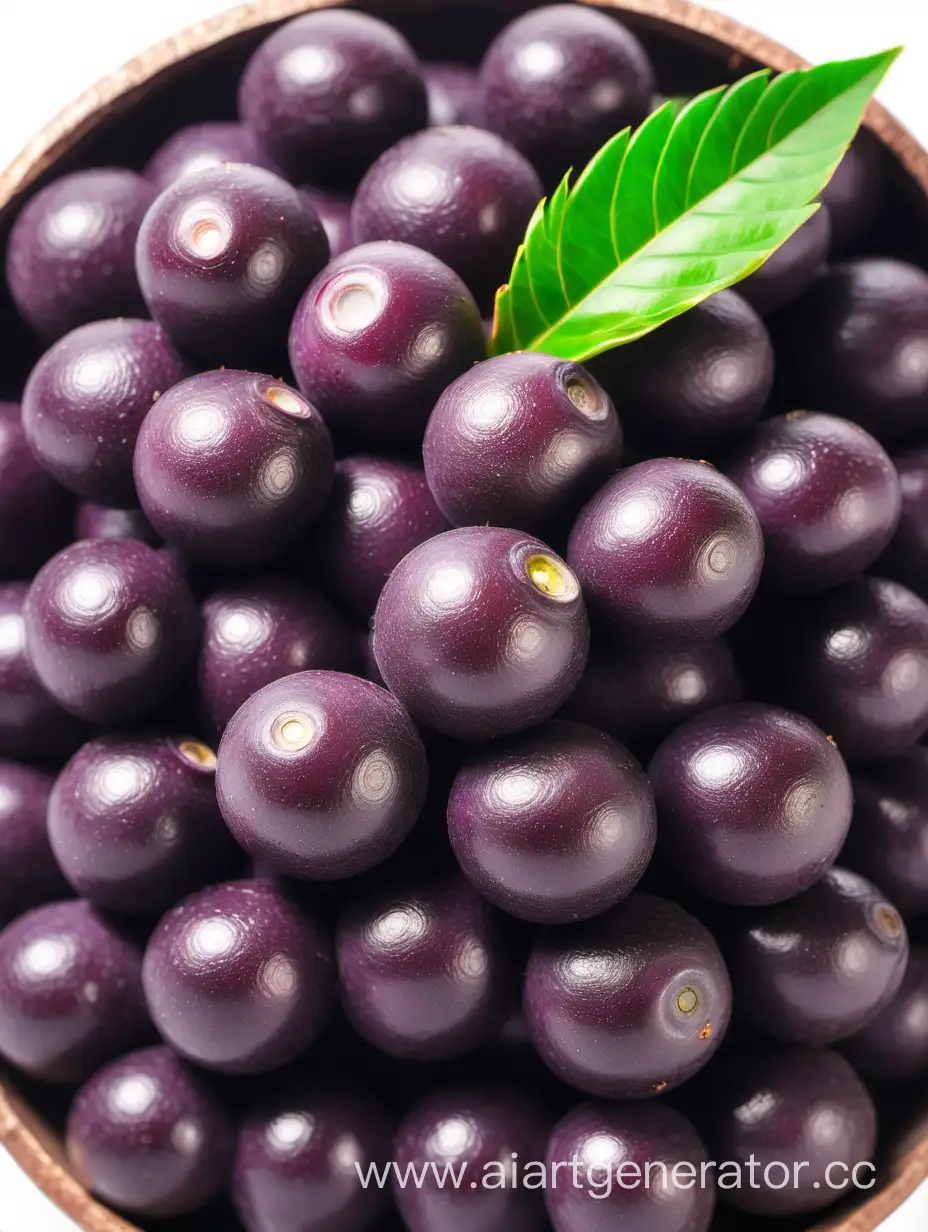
point(266, 495)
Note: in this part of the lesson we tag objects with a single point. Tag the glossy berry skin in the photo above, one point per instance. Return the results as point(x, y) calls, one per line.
point(35, 512)
point(238, 978)
point(826, 494)
point(70, 992)
point(668, 552)
point(85, 401)
point(111, 626)
point(850, 344)
point(257, 633)
point(628, 1005)
point(103, 522)
point(560, 81)
point(379, 511)
point(481, 632)
point(458, 192)
point(906, 557)
point(479, 1128)
point(754, 803)
point(233, 467)
point(328, 92)
point(819, 967)
point(614, 1144)
point(772, 1107)
point(145, 1135)
point(791, 270)
point(29, 875)
point(322, 774)
point(854, 193)
point(520, 440)
point(696, 381)
point(71, 254)
point(295, 1161)
point(555, 825)
point(893, 1046)
point(377, 338)
point(453, 93)
point(640, 696)
point(198, 146)
point(134, 823)
point(888, 840)
point(223, 257)
point(334, 213)
point(423, 968)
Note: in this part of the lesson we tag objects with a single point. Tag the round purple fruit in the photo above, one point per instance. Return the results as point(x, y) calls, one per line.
point(198, 146)
point(34, 511)
point(792, 268)
point(893, 1046)
point(29, 875)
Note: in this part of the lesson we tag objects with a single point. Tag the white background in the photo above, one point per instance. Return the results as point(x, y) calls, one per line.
point(52, 50)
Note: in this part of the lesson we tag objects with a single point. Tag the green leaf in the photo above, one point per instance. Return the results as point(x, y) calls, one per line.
point(691, 202)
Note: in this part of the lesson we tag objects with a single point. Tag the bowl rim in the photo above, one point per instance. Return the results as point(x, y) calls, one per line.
point(21, 1133)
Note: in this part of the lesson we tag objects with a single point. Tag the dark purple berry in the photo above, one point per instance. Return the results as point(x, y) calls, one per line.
point(102, 522)
point(799, 1125)
point(111, 627)
point(71, 254)
point(893, 1046)
point(856, 346)
point(302, 1158)
point(854, 193)
point(377, 338)
point(233, 467)
point(29, 875)
point(70, 992)
point(888, 840)
point(554, 825)
point(559, 82)
point(640, 696)
point(134, 822)
point(257, 633)
point(790, 270)
point(628, 1005)
point(238, 978)
point(639, 1167)
point(906, 558)
point(753, 803)
point(826, 494)
point(147, 1136)
point(669, 552)
point(453, 93)
point(335, 215)
point(481, 632)
point(85, 401)
point(424, 969)
point(460, 193)
point(35, 513)
point(199, 146)
point(328, 92)
point(321, 774)
point(488, 1133)
point(819, 967)
point(520, 440)
point(223, 257)
point(694, 382)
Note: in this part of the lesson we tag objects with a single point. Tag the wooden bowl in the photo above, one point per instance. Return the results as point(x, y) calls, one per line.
point(124, 117)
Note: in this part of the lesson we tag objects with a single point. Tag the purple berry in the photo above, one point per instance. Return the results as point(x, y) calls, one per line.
point(199, 146)
point(854, 193)
point(29, 875)
point(85, 401)
point(146, 1135)
point(481, 632)
point(520, 440)
point(35, 513)
point(453, 94)
point(554, 825)
point(233, 467)
point(70, 992)
point(893, 1046)
point(378, 336)
point(223, 257)
point(238, 978)
point(424, 969)
point(669, 552)
point(111, 627)
point(460, 193)
point(819, 967)
point(335, 215)
point(631, 1004)
point(257, 633)
point(328, 92)
point(71, 253)
point(753, 803)
point(791, 270)
point(321, 774)
point(906, 558)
